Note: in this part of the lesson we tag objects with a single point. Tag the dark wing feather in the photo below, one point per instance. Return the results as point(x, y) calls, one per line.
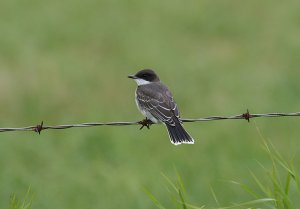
point(159, 101)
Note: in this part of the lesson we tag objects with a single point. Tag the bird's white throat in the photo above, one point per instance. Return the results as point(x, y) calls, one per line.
point(140, 81)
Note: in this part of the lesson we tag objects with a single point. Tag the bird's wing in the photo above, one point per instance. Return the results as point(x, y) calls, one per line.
point(161, 106)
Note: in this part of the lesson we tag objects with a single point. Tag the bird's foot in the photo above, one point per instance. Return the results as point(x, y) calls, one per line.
point(146, 122)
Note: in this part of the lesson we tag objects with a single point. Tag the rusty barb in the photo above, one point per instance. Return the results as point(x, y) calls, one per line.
point(246, 116)
point(39, 128)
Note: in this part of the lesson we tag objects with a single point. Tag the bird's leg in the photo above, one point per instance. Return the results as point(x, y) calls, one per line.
point(146, 122)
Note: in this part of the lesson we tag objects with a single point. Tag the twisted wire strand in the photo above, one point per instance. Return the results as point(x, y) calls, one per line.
point(246, 116)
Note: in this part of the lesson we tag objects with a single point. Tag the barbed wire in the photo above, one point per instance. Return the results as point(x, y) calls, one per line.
point(246, 116)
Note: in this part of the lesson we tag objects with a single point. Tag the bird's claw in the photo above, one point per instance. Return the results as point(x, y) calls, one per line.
point(146, 122)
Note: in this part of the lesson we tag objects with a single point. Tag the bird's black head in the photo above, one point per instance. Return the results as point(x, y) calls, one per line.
point(146, 74)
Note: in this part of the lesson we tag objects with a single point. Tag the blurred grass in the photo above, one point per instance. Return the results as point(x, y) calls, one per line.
point(26, 203)
point(278, 188)
point(67, 61)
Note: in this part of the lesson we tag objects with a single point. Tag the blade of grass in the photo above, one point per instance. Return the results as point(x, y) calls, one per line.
point(170, 182)
point(253, 202)
point(214, 195)
point(296, 178)
point(247, 189)
point(172, 186)
point(193, 206)
point(182, 199)
point(287, 183)
point(263, 188)
point(181, 190)
point(180, 183)
point(154, 200)
point(280, 160)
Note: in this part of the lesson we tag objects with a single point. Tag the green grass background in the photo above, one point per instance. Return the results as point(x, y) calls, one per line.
point(67, 62)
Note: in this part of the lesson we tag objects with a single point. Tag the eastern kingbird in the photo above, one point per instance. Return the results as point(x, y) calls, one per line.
point(156, 103)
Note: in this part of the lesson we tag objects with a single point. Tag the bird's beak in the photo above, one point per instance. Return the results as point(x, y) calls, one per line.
point(132, 77)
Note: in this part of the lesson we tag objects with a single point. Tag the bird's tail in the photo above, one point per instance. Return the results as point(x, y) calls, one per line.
point(178, 135)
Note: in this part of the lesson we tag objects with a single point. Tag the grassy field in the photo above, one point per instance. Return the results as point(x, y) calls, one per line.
point(68, 61)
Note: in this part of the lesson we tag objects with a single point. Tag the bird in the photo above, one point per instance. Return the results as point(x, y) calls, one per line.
point(155, 101)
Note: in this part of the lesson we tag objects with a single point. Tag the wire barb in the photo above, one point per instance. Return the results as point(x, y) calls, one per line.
point(146, 122)
point(245, 116)
point(39, 128)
